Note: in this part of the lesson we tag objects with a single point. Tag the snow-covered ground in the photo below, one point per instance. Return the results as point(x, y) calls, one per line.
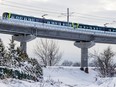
point(63, 77)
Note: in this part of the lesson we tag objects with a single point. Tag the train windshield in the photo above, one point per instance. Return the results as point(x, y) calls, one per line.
point(5, 15)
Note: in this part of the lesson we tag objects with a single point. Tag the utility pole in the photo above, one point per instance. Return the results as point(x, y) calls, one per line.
point(68, 16)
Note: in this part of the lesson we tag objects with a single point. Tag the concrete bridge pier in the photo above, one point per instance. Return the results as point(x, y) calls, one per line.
point(23, 46)
point(23, 39)
point(84, 53)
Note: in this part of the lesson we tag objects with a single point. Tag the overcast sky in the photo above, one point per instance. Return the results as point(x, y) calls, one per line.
point(96, 12)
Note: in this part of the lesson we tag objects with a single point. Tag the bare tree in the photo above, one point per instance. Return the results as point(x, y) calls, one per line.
point(48, 52)
point(104, 62)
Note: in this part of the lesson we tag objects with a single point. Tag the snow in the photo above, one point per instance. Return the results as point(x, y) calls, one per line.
point(70, 75)
point(63, 77)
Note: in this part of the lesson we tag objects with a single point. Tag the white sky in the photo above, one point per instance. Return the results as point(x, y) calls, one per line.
point(97, 12)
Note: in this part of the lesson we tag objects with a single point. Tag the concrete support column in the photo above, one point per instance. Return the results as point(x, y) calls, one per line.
point(84, 53)
point(23, 39)
point(23, 46)
point(84, 57)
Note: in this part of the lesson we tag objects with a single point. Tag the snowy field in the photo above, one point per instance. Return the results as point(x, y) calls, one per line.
point(63, 77)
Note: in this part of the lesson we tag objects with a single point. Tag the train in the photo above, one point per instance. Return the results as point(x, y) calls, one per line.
point(8, 15)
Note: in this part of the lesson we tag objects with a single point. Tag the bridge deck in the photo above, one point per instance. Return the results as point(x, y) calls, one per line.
point(55, 31)
point(57, 27)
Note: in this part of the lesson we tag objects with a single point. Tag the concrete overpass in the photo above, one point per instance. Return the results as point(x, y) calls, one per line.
point(25, 31)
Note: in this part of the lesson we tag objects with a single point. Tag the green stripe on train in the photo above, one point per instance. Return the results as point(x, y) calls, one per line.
point(75, 25)
point(9, 15)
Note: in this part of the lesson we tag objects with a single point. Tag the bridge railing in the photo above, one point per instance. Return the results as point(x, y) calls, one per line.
point(58, 28)
point(80, 30)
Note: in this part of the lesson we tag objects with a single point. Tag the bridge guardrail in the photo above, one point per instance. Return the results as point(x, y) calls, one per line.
point(57, 27)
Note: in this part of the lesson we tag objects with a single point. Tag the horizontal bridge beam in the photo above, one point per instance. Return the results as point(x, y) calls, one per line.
point(14, 29)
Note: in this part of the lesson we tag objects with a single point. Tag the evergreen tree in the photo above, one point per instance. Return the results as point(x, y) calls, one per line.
point(12, 55)
point(22, 56)
point(37, 70)
point(2, 53)
point(25, 68)
point(27, 65)
point(2, 48)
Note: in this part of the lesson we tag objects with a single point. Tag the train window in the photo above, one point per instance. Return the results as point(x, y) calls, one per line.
point(114, 30)
point(63, 24)
point(70, 25)
point(52, 22)
point(93, 28)
point(41, 20)
point(55, 23)
point(66, 24)
point(29, 19)
point(13, 17)
point(80, 26)
point(96, 28)
point(90, 27)
point(25, 18)
point(21, 18)
point(4, 16)
point(48, 22)
point(109, 30)
point(74, 25)
point(17, 17)
point(102, 29)
point(59, 23)
point(36, 20)
point(45, 21)
point(84, 27)
point(32, 19)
